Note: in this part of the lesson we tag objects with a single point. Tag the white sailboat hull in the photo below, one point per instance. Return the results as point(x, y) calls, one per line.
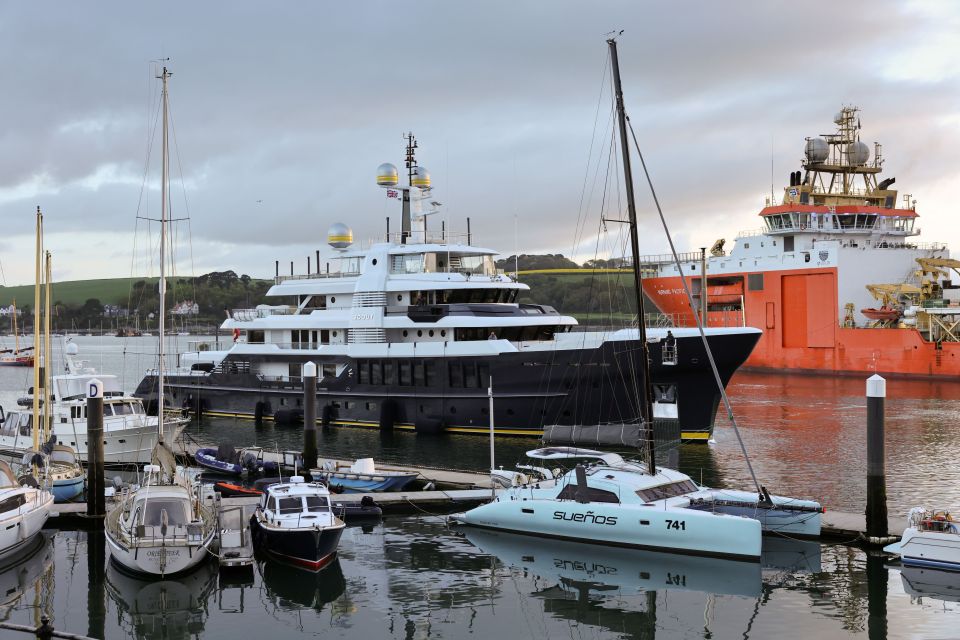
point(158, 559)
point(17, 529)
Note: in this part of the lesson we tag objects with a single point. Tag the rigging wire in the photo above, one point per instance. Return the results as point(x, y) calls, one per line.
point(703, 335)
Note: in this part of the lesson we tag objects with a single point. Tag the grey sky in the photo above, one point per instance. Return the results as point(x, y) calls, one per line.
point(296, 104)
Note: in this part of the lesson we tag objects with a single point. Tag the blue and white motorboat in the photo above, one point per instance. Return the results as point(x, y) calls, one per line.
point(223, 459)
point(295, 523)
point(58, 471)
point(931, 540)
point(362, 477)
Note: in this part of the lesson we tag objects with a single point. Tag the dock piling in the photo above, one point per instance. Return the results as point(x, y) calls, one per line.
point(96, 502)
point(876, 474)
point(309, 415)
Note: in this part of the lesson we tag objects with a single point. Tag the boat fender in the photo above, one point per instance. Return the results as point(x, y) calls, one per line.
point(325, 416)
point(258, 410)
point(429, 426)
point(388, 414)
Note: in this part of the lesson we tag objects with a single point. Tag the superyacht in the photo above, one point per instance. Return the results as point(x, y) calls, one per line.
point(408, 333)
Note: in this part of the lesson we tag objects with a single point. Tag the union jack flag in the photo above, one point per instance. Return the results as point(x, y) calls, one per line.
point(393, 193)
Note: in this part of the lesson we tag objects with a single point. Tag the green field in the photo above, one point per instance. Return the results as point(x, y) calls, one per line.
point(75, 292)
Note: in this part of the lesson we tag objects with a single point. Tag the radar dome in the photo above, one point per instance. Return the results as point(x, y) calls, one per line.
point(858, 153)
point(817, 149)
point(387, 175)
point(421, 178)
point(72, 349)
point(340, 236)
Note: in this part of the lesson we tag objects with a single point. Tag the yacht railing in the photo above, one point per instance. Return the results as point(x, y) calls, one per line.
point(245, 315)
point(314, 276)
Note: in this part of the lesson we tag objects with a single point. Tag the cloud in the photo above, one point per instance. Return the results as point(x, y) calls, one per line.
point(281, 116)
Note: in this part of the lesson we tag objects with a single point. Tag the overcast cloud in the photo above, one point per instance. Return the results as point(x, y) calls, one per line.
point(282, 113)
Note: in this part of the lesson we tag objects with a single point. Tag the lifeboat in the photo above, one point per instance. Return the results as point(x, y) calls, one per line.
point(883, 313)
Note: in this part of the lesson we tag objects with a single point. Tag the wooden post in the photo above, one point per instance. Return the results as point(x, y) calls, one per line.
point(876, 475)
point(309, 416)
point(96, 503)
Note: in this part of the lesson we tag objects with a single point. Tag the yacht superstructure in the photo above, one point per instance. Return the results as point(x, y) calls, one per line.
point(407, 333)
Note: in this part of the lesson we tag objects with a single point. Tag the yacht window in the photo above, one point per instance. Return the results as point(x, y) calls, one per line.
point(430, 373)
point(404, 370)
point(317, 503)
point(107, 410)
point(290, 505)
point(667, 491)
point(418, 376)
point(569, 492)
point(456, 375)
point(376, 373)
point(25, 421)
point(363, 371)
point(11, 503)
point(388, 369)
point(329, 371)
point(469, 375)
point(483, 370)
point(138, 408)
point(154, 508)
point(122, 408)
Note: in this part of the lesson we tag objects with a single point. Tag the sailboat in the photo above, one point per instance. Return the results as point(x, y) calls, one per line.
point(161, 528)
point(607, 500)
point(43, 461)
point(17, 357)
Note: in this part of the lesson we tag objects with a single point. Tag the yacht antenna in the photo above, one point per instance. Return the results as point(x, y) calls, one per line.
point(411, 164)
point(164, 187)
point(646, 412)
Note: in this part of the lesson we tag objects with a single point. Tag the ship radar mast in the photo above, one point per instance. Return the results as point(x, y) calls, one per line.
point(413, 221)
point(838, 169)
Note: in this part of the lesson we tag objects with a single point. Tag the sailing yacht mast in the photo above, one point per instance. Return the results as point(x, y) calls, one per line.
point(37, 345)
point(47, 392)
point(164, 186)
point(646, 412)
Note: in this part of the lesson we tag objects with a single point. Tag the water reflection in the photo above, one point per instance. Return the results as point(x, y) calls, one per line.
point(289, 587)
point(931, 583)
point(31, 570)
point(167, 609)
point(586, 570)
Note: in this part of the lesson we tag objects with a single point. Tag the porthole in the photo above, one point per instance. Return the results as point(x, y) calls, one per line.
point(443, 333)
point(374, 262)
point(405, 333)
point(333, 299)
point(453, 409)
point(334, 334)
point(400, 298)
point(431, 333)
point(419, 333)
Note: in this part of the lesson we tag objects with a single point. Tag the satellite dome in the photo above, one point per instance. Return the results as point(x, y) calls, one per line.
point(387, 175)
point(817, 149)
point(421, 178)
point(858, 153)
point(339, 236)
point(72, 349)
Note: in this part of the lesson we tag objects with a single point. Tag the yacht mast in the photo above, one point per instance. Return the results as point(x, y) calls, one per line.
point(164, 187)
point(37, 345)
point(646, 411)
point(47, 361)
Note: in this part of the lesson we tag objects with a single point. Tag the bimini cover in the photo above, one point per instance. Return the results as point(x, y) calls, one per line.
point(566, 453)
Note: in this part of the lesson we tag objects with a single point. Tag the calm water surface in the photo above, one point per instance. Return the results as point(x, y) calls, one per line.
point(414, 577)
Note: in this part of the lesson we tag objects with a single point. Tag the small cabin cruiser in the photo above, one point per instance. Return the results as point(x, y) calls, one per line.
point(23, 512)
point(295, 522)
point(57, 469)
point(931, 539)
point(612, 501)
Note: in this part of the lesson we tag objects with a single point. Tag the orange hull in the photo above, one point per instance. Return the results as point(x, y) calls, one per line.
point(797, 311)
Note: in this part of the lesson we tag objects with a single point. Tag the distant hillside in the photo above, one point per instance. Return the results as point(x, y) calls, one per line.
point(108, 291)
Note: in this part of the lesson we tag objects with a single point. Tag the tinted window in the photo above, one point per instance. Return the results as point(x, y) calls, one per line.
point(667, 491)
point(155, 508)
point(290, 505)
point(592, 495)
point(317, 503)
point(405, 377)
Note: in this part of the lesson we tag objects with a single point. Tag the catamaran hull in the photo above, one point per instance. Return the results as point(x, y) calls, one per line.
point(685, 531)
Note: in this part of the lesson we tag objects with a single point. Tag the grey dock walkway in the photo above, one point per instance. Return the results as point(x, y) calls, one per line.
point(236, 542)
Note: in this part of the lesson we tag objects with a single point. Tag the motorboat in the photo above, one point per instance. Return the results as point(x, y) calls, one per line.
point(129, 434)
point(23, 512)
point(296, 523)
point(608, 500)
point(931, 539)
point(223, 459)
point(160, 528)
point(362, 477)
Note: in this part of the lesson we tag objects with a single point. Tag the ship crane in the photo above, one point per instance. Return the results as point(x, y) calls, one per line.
point(891, 297)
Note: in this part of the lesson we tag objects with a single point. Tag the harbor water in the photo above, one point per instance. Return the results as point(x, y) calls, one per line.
point(415, 577)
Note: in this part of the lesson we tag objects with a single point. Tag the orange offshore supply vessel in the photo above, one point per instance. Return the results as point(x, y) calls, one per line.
point(834, 279)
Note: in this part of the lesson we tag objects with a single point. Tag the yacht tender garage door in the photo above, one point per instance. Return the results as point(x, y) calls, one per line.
point(809, 304)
